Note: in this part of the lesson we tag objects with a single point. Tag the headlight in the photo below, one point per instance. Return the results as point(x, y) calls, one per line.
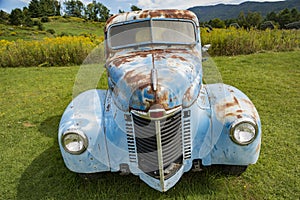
point(74, 141)
point(243, 131)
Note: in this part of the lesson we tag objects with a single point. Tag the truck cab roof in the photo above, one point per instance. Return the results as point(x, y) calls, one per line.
point(148, 14)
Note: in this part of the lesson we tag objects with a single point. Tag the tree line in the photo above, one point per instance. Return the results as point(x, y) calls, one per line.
point(96, 11)
point(284, 19)
point(43, 9)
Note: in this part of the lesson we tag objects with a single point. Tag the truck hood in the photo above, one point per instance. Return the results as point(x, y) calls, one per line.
point(142, 79)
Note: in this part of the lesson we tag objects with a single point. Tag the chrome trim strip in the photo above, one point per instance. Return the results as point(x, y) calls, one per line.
point(154, 79)
point(146, 115)
point(160, 154)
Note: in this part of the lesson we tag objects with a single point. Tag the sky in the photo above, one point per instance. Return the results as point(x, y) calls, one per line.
point(115, 5)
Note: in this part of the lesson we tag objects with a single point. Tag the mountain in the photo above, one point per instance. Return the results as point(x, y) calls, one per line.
point(224, 11)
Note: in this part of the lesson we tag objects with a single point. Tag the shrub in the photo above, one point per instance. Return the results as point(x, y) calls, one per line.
point(62, 34)
point(36, 22)
point(28, 22)
point(13, 33)
point(51, 31)
point(41, 27)
point(45, 19)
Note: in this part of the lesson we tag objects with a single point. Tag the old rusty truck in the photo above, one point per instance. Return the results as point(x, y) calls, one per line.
point(158, 119)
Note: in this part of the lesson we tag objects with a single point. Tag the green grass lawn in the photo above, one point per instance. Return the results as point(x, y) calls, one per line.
point(33, 99)
point(11, 33)
point(61, 26)
point(74, 26)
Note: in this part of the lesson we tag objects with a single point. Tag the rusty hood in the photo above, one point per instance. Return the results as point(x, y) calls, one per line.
point(170, 78)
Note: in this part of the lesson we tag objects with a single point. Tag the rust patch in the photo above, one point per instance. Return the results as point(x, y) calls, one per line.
point(159, 56)
point(230, 108)
point(230, 104)
point(157, 53)
point(180, 14)
point(189, 15)
point(150, 13)
point(132, 77)
point(144, 15)
point(122, 60)
point(248, 102)
point(179, 57)
point(236, 108)
point(143, 55)
point(109, 21)
point(171, 13)
point(169, 51)
point(235, 100)
point(162, 97)
point(188, 95)
point(156, 13)
point(233, 114)
point(118, 62)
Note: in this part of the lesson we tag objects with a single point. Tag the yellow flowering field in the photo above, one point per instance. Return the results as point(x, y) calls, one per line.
point(234, 41)
point(59, 51)
point(72, 50)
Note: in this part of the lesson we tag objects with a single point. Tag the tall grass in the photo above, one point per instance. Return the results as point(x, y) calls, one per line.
point(72, 50)
point(233, 41)
point(60, 51)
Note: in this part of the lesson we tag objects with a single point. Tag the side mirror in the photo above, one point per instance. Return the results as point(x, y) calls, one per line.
point(204, 50)
point(206, 47)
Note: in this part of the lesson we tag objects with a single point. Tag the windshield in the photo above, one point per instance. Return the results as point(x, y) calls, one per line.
point(152, 31)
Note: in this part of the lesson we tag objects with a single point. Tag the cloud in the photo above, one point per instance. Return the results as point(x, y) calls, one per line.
point(25, 1)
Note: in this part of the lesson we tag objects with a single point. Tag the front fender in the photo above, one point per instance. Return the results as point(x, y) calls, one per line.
point(86, 113)
point(229, 104)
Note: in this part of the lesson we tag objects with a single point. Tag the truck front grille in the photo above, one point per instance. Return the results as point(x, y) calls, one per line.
point(147, 145)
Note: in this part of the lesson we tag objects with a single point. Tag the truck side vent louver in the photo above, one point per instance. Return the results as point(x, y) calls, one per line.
point(171, 144)
point(130, 139)
point(187, 144)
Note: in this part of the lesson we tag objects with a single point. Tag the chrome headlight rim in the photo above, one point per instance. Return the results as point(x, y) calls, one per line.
point(80, 135)
point(237, 123)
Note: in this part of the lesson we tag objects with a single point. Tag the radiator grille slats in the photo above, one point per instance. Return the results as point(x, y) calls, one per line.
point(146, 143)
